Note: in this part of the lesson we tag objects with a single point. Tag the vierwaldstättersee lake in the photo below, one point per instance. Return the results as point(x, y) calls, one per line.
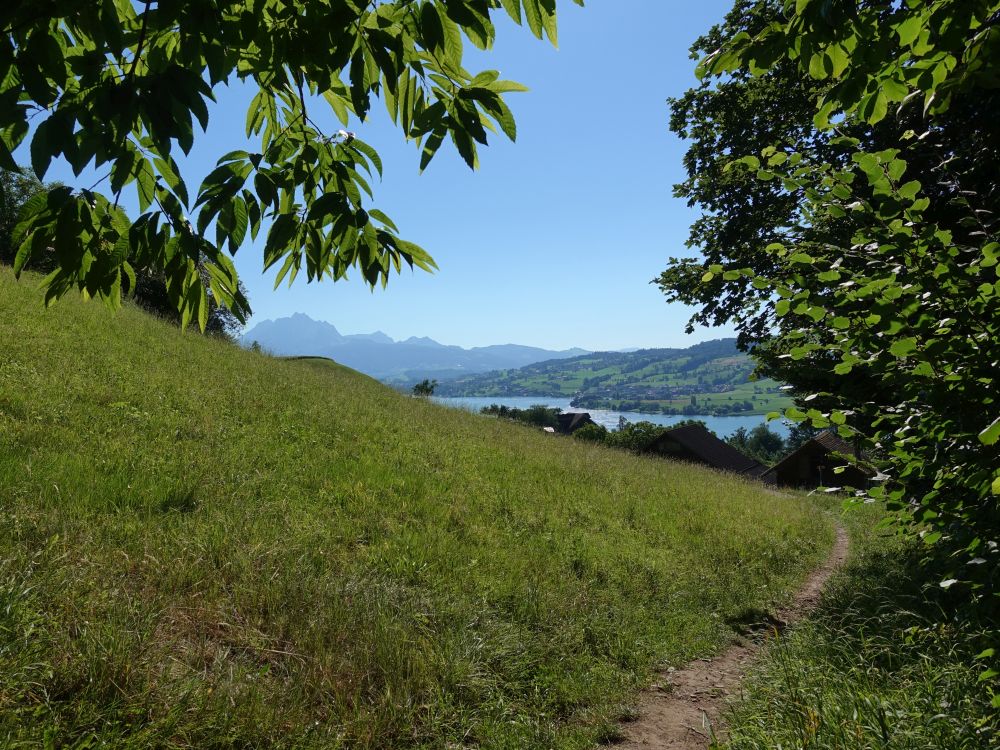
point(721, 426)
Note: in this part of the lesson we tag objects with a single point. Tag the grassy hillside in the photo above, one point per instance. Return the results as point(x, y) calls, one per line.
point(708, 378)
point(205, 547)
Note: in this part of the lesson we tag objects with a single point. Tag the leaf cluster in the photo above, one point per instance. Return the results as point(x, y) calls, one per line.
point(119, 86)
point(876, 281)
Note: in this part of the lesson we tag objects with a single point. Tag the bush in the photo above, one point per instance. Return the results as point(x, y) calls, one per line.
point(593, 433)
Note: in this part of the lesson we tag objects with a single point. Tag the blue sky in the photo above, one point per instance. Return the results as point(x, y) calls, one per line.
point(554, 240)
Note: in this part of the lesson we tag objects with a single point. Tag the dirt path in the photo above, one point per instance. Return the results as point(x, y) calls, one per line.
point(683, 710)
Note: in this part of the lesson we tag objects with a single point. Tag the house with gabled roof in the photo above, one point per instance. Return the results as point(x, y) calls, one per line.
point(814, 464)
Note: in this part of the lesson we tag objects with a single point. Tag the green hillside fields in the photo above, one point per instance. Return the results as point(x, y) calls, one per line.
point(708, 378)
point(203, 547)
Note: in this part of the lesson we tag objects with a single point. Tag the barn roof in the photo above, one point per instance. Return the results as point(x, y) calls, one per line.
point(571, 421)
point(709, 449)
point(834, 443)
point(828, 440)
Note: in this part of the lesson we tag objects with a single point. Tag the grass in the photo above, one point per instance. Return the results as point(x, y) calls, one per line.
point(885, 662)
point(205, 547)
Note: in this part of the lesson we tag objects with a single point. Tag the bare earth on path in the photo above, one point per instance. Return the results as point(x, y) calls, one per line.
point(683, 709)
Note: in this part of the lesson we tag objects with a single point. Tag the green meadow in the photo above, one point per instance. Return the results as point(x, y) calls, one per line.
point(204, 547)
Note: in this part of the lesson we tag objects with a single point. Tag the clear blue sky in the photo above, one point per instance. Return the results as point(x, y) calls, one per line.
point(554, 240)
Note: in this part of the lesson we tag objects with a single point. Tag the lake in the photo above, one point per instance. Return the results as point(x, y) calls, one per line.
point(721, 426)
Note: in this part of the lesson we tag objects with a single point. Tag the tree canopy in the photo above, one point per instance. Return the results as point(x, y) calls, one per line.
point(845, 156)
point(121, 87)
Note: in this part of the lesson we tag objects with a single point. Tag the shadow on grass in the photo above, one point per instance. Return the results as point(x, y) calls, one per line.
point(888, 660)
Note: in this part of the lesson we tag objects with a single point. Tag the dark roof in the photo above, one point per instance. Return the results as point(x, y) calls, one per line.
point(572, 421)
point(709, 449)
point(828, 440)
point(834, 443)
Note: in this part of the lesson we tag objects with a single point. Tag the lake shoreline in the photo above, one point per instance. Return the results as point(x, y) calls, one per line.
point(723, 425)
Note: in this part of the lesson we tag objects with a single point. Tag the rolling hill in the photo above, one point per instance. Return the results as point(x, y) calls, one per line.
point(203, 546)
point(708, 378)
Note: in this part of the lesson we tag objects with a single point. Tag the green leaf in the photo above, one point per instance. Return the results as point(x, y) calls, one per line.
point(533, 15)
point(42, 150)
point(991, 434)
point(795, 415)
point(146, 184)
point(909, 190)
point(908, 29)
point(431, 146)
point(513, 8)
point(338, 105)
point(171, 174)
point(903, 347)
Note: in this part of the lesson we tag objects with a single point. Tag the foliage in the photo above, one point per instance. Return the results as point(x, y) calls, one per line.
point(800, 433)
point(193, 562)
point(149, 289)
point(883, 275)
point(721, 117)
point(883, 662)
point(592, 433)
point(425, 388)
point(150, 293)
point(119, 86)
point(538, 415)
point(637, 437)
point(761, 443)
point(17, 186)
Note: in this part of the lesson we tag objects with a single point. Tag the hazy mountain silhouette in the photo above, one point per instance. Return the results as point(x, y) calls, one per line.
point(376, 354)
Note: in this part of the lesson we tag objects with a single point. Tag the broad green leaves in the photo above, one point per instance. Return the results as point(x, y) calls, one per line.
point(935, 50)
point(116, 85)
point(873, 247)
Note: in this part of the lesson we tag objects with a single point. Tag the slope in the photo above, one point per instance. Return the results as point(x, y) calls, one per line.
point(205, 547)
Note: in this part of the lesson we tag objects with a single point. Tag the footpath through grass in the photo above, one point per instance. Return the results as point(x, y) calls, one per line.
point(204, 547)
point(887, 661)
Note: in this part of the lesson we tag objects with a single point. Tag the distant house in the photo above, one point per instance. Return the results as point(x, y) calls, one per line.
point(813, 463)
point(570, 422)
point(696, 444)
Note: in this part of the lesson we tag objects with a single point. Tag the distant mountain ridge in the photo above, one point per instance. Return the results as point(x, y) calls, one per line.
point(378, 355)
point(712, 377)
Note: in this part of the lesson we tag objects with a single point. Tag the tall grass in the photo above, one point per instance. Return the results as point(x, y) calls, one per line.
point(205, 547)
point(885, 662)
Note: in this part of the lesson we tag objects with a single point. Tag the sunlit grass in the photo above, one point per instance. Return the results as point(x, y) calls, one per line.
point(886, 662)
point(205, 547)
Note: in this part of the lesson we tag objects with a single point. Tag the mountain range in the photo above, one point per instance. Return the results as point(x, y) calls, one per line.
point(398, 362)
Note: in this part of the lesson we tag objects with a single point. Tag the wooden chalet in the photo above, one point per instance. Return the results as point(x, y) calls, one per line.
point(696, 444)
point(813, 463)
point(570, 422)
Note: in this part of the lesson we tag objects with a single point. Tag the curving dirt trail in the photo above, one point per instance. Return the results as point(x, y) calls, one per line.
point(683, 709)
